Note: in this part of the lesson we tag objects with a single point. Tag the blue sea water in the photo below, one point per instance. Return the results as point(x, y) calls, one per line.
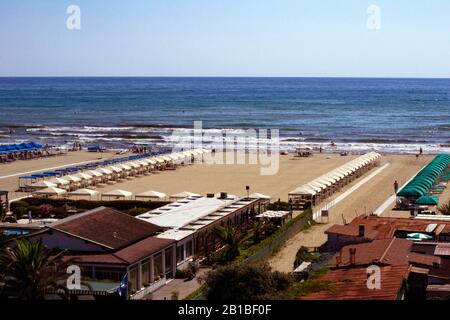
point(355, 113)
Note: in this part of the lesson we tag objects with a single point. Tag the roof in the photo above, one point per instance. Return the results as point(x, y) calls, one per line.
point(118, 193)
point(194, 213)
point(351, 284)
point(384, 227)
point(393, 251)
point(107, 227)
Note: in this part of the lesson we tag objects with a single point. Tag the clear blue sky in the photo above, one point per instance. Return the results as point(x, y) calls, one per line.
point(225, 38)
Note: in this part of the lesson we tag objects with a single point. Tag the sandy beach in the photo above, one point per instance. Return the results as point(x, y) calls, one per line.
point(10, 172)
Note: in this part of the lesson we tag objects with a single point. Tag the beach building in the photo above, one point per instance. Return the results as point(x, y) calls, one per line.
point(107, 245)
point(322, 187)
point(190, 221)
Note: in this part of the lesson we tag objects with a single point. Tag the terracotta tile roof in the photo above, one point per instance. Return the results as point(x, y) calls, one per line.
point(351, 284)
point(393, 251)
point(124, 256)
point(107, 227)
point(442, 249)
point(384, 227)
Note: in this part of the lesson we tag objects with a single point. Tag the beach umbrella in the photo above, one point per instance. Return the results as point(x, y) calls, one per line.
point(43, 184)
point(124, 166)
point(428, 200)
point(419, 236)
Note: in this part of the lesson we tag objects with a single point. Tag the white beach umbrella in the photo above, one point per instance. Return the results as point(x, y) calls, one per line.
point(43, 184)
point(159, 160)
point(166, 158)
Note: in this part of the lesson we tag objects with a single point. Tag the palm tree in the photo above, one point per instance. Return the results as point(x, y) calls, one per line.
point(26, 272)
point(232, 239)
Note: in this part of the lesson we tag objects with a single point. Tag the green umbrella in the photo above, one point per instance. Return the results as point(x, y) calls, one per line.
point(428, 201)
point(420, 236)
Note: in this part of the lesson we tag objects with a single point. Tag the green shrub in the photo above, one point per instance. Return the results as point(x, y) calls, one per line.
point(121, 205)
point(136, 211)
point(59, 213)
point(20, 212)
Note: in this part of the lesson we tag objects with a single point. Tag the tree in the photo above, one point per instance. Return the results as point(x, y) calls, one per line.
point(245, 282)
point(444, 209)
point(232, 239)
point(27, 273)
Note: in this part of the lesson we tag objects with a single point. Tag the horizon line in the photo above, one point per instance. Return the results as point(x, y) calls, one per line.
point(237, 76)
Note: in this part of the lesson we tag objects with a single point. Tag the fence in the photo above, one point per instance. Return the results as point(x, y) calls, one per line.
point(286, 232)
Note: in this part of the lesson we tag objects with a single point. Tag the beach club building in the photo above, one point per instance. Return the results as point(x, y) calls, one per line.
point(107, 244)
point(190, 221)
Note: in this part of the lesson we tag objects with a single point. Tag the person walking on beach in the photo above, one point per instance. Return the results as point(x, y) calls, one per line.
point(395, 186)
point(420, 151)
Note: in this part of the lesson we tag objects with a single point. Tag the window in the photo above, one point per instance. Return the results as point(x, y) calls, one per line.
point(146, 273)
point(188, 246)
point(169, 262)
point(158, 266)
point(133, 281)
point(180, 253)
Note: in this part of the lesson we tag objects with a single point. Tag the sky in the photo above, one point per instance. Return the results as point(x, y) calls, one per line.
point(293, 38)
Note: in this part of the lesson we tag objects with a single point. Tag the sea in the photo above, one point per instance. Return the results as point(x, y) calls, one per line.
point(335, 114)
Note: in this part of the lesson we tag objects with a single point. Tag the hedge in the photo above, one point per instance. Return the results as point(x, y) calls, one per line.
point(121, 205)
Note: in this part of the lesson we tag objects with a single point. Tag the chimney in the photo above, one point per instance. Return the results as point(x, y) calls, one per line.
point(223, 195)
point(352, 252)
point(361, 230)
point(210, 195)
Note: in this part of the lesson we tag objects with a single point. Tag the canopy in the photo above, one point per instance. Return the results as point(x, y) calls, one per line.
point(59, 181)
point(151, 194)
point(43, 184)
point(104, 170)
point(83, 176)
point(118, 193)
point(257, 195)
point(184, 194)
point(71, 178)
point(52, 191)
point(84, 192)
point(428, 200)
